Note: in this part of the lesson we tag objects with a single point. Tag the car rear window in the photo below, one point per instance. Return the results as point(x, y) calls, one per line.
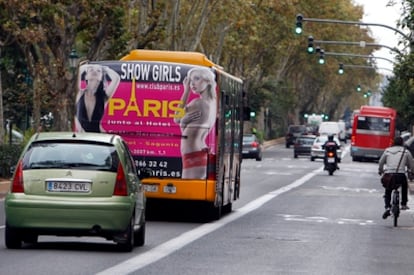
point(306, 140)
point(49, 155)
point(297, 129)
point(248, 138)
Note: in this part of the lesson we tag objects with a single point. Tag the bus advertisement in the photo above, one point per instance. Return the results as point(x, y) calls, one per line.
point(373, 130)
point(181, 116)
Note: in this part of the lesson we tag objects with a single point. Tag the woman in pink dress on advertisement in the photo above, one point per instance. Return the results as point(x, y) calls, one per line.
point(101, 83)
point(199, 118)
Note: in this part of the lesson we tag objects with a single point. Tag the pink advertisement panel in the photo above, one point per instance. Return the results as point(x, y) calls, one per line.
point(165, 112)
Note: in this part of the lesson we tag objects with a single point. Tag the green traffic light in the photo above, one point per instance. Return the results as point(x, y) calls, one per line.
point(310, 44)
point(321, 57)
point(298, 29)
point(341, 69)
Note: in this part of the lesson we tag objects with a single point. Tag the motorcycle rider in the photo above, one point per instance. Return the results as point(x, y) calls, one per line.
point(331, 146)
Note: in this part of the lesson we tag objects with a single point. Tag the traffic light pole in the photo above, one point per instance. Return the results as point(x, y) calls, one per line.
point(358, 55)
point(361, 44)
point(354, 23)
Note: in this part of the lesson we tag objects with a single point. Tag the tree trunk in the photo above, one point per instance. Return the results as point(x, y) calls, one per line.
point(1, 110)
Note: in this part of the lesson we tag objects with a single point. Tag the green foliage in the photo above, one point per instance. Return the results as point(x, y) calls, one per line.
point(9, 155)
point(399, 93)
point(254, 40)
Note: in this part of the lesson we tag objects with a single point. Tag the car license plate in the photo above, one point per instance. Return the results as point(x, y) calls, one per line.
point(151, 188)
point(245, 152)
point(331, 160)
point(170, 189)
point(68, 186)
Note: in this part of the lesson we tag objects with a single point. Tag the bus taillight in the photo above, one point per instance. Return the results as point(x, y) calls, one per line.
point(211, 167)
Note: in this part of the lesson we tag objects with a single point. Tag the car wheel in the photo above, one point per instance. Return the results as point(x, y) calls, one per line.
point(30, 238)
point(295, 156)
point(12, 238)
point(128, 244)
point(140, 234)
point(258, 157)
point(312, 158)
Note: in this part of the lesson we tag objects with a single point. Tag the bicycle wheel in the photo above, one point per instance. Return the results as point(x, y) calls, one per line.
point(395, 206)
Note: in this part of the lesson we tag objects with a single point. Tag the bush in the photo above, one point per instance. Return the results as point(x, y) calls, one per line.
point(9, 155)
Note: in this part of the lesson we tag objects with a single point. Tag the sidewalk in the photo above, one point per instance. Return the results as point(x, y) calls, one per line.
point(4, 187)
point(272, 142)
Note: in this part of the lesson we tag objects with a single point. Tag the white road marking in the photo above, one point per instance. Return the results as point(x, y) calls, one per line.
point(167, 248)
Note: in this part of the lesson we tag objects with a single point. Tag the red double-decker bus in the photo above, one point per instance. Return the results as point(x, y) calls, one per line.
point(373, 130)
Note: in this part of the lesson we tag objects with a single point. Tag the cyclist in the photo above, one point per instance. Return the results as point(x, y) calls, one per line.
point(390, 159)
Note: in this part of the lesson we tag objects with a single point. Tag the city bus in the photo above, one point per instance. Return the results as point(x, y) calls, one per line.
point(373, 130)
point(182, 118)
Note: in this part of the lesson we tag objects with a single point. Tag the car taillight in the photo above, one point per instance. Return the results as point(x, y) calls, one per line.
point(17, 184)
point(121, 188)
point(211, 167)
point(254, 144)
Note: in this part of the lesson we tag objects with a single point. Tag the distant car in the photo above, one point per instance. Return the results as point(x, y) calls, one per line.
point(75, 184)
point(293, 132)
point(318, 153)
point(303, 145)
point(252, 147)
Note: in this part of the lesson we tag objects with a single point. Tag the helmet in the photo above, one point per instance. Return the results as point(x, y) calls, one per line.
point(330, 137)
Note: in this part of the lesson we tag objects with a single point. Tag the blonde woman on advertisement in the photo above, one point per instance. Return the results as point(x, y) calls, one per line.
point(101, 83)
point(199, 118)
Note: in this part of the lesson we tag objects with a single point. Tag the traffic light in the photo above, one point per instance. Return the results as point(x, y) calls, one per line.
point(252, 114)
point(299, 19)
point(341, 68)
point(367, 94)
point(310, 45)
point(358, 88)
point(321, 57)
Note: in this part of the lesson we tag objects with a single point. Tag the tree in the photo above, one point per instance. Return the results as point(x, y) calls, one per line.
point(399, 94)
point(250, 39)
point(45, 33)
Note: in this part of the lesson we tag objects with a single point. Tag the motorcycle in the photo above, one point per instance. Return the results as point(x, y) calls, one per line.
point(331, 159)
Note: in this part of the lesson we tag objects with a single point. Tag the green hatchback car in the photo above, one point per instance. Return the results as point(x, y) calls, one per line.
point(76, 184)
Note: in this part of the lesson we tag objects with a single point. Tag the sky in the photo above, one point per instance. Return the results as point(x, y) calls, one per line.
point(377, 11)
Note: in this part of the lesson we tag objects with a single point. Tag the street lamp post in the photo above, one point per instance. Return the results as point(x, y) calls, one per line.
point(73, 60)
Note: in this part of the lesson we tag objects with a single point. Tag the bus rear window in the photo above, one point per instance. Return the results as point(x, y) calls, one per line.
point(373, 123)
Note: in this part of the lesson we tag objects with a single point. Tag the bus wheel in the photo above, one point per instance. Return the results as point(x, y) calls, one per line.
point(228, 208)
point(211, 212)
